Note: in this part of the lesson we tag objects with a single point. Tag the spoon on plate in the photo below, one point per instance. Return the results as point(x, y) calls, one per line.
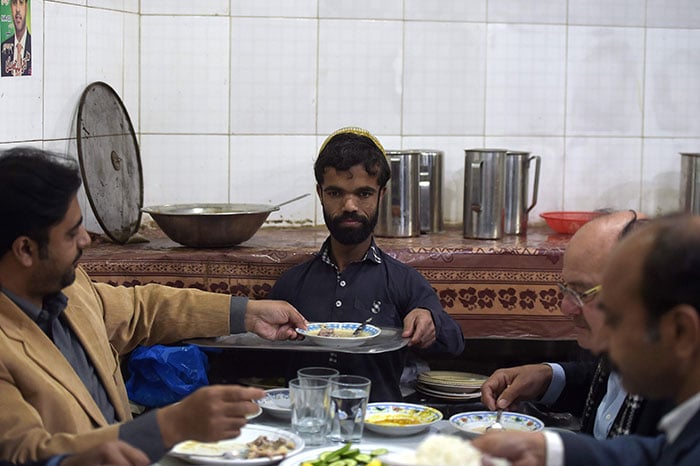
point(361, 327)
point(497, 423)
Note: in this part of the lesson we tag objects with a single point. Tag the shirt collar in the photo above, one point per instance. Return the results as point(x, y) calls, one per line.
point(53, 307)
point(372, 254)
point(675, 421)
point(23, 40)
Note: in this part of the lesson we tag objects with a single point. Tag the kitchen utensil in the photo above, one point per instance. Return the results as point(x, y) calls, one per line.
point(517, 205)
point(399, 208)
point(497, 423)
point(361, 327)
point(110, 162)
point(484, 195)
point(212, 225)
point(568, 222)
point(690, 183)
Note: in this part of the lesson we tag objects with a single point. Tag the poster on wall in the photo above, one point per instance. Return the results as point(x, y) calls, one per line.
point(15, 34)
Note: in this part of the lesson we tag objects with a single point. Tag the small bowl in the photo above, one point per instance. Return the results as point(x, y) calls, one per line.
point(398, 419)
point(475, 423)
point(276, 403)
point(343, 334)
point(568, 222)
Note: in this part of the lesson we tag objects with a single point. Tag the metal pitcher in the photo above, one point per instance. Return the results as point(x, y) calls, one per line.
point(517, 182)
point(484, 193)
point(399, 214)
point(431, 220)
point(690, 183)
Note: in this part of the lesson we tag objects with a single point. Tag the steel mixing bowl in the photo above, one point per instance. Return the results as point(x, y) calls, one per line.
point(210, 225)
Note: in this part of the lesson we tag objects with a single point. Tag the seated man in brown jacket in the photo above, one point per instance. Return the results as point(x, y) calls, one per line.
point(61, 335)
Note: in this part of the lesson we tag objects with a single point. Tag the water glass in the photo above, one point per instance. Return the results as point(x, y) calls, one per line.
point(317, 372)
point(349, 397)
point(309, 399)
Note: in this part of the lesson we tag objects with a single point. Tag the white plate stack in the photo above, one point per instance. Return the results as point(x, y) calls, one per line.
point(450, 385)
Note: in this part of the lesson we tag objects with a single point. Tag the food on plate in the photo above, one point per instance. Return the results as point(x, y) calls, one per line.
point(325, 331)
point(445, 450)
point(393, 420)
point(263, 447)
point(347, 455)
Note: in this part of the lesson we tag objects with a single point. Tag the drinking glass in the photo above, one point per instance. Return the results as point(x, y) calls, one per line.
point(317, 372)
point(349, 397)
point(309, 399)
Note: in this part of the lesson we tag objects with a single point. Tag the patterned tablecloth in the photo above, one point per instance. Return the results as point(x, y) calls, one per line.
point(504, 288)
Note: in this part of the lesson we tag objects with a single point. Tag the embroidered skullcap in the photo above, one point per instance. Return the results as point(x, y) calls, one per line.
point(353, 130)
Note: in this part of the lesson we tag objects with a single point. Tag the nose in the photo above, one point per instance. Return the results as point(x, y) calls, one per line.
point(350, 203)
point(84, 239)
point(569, 307)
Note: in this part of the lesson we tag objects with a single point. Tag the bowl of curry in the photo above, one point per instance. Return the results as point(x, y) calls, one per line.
point(396, 419)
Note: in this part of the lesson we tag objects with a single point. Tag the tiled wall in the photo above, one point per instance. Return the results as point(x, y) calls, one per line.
point(231, 99)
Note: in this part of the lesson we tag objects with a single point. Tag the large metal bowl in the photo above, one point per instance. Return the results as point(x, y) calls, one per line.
point(210, 225)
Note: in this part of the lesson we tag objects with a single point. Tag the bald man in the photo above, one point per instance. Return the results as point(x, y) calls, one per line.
point(586, 389)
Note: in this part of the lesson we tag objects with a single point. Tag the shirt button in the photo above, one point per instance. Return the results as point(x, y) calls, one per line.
point(607, 417)
point(338, 303)
point(342, 282)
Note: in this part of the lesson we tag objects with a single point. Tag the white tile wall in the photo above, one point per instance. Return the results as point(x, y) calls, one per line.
point(606, 91)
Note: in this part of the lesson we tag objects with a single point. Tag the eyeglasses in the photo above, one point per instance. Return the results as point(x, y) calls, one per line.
point(580, 299)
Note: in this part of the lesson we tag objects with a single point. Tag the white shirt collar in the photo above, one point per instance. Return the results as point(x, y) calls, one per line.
point(675, 421)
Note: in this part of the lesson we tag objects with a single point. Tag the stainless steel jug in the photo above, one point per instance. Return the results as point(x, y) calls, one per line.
point(484, 193)
point(690, 183)
point(430, 187)
point(399, 214)
point(517, 183)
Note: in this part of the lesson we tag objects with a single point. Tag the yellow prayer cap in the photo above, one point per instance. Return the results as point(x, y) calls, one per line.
point(353, 130)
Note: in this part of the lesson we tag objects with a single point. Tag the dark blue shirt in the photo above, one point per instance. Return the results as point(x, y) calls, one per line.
point(378, 286)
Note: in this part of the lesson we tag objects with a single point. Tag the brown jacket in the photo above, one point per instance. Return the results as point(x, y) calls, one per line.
point(44, 407)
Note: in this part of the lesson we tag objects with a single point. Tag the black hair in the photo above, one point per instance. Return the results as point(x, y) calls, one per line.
point(345, 150)
point(671, 269)
point(36, 187)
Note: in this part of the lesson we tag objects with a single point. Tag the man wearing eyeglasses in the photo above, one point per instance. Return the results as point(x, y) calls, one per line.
point(586, 389)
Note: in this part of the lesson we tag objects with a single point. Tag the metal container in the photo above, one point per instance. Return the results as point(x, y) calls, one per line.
point(517, 204)
point(431, 219)
point(399, 209)
point(690, 182)
point(484, 193)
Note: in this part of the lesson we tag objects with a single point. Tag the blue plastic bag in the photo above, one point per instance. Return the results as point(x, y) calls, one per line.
point(161, 375)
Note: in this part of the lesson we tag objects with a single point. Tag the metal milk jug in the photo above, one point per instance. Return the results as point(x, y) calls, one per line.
point(399, 208)
point(430, 191)
point(484, 193)
point(517, 183)
point(690, 183)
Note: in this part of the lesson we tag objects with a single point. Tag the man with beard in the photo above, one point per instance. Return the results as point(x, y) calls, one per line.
point(62, 336)
point(351, 279)
point(16, 58)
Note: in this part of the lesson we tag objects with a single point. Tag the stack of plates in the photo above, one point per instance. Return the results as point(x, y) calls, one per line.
point(450, 385)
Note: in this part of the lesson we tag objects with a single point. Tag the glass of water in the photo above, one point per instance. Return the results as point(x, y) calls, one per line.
point(349, 397)
point(317, 372)
point(309, 399)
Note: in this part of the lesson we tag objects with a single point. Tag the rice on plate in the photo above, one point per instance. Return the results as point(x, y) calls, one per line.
point(441, 450)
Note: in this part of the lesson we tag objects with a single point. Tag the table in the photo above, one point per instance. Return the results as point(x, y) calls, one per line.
point(495, 289)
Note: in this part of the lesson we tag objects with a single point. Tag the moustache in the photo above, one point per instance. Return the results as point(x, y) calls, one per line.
point(351, 216)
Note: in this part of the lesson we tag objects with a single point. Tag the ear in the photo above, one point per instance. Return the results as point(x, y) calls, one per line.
point(25, 250)
point(319, 192)
point(382, 192)
point(683, 324)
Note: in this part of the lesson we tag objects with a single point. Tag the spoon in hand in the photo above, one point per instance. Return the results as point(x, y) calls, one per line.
point(497, 424)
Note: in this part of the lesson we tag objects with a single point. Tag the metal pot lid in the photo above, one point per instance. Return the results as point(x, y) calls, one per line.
point(110, 161)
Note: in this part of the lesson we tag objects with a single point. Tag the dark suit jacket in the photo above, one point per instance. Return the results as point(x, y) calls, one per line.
point(633, 450)
point(8, 54)
point(579, 377)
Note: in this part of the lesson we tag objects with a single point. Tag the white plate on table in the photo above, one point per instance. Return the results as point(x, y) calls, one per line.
point(398, 419)
point(276, 403)
point(342, 337)
point(311, 455)
point(204, 453)
point(474, 423)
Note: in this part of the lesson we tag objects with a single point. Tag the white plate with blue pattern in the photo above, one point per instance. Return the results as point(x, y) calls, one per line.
point(276, 403)
point(339, 334)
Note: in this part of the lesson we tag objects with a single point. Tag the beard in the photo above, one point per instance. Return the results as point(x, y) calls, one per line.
point(350, 235)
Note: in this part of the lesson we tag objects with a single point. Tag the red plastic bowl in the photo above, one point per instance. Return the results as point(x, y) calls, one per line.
point(568, 222)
